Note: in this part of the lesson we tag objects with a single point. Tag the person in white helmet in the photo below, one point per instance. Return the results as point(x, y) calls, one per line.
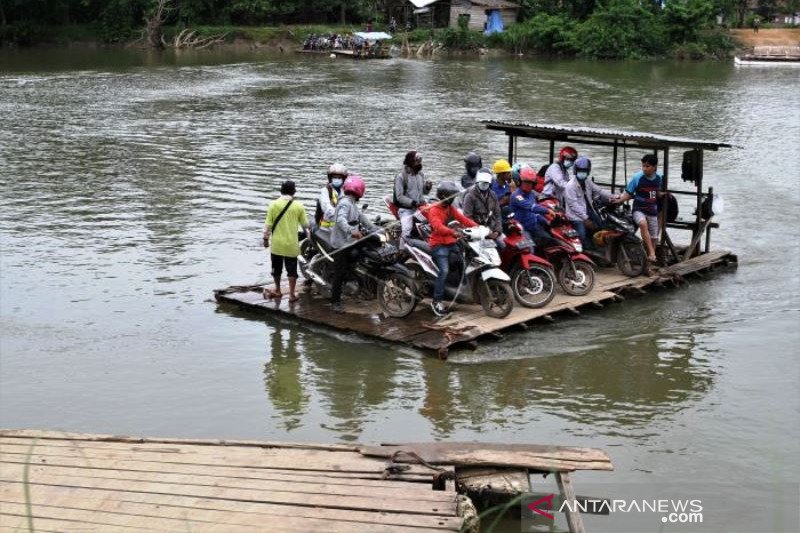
point(329, 195)
point(482, 206)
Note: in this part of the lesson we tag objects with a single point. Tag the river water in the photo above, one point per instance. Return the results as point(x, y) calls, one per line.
point(133, 185)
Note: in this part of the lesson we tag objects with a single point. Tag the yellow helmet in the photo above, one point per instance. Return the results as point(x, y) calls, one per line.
point(500, 166)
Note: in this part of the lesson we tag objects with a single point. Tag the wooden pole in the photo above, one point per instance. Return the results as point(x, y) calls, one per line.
point(567, 491)
point(614, 169)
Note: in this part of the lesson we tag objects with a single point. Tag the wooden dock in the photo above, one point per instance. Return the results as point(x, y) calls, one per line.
point(468, 323)
point(54, 481)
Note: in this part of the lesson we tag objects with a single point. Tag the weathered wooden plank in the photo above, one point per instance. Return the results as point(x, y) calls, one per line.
point(158, 516)
point(281, 497)
point(328, 476)
point(568, 493)
point(418, 493)
point(305, 460)
point(263, 512)
point(61, 526)
point(542, 458)
point(63, 435)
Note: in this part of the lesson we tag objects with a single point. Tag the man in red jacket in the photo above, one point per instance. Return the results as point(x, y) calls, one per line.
point(443, 238)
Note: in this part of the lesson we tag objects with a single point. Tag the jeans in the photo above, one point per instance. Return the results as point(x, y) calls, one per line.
point(342, 260)
point(580, 227)
point(441, 256)
point(406, 220)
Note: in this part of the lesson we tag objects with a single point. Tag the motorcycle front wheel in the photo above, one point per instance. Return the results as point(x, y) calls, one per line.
point(578, 282)
point(534, 287)
point(631, 258)
point(397, 295)
point(496, 297)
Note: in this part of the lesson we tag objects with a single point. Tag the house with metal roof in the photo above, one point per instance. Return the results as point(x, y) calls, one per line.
point(478, 14)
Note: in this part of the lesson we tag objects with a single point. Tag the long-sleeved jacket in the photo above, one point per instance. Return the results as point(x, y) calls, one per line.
point(347, 211)
point(409, 187)
point(326, 205)
point(555, 179)
point(576, 198)
point(439, 215)
point(483, 208)
point(526, 209)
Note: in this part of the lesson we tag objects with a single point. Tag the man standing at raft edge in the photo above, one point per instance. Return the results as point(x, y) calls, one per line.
point(645, 187)
point(410, 188)
point(284, 217)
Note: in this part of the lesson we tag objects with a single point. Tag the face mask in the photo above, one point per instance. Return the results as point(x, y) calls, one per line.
point(416, 168)
point(337, 182)
point(484, 186)
point(581, 175)
point(568, 163)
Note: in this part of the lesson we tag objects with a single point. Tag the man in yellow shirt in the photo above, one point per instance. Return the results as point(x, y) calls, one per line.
point(284, 217)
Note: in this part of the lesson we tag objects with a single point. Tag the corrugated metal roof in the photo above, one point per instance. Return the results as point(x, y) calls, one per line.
point(575, 133)
point(422, 3)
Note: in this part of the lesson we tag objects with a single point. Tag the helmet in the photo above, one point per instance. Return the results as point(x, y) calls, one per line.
point(583, 163)
point(500, 166)
point(527, 174)
point(484, 176)
point(473, 160)
point(354, 185)
point(337, 169)
point(446, 192)
point(568, 152)
point(412, 158)
point(516, 169)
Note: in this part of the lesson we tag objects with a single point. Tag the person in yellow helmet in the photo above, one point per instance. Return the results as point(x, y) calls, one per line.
point(503, 185)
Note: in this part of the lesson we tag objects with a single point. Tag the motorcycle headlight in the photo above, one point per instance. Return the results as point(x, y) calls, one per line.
point(578, 247)
point(523, 245)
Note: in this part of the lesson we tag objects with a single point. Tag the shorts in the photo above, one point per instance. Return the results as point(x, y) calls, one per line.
point(277, 265)
point(652, 223)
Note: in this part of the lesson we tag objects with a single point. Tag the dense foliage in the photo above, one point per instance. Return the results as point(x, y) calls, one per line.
point(591, 28)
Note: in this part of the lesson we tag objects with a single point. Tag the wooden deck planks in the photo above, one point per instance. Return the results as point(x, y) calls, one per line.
point(105, 483)
point(422, 330)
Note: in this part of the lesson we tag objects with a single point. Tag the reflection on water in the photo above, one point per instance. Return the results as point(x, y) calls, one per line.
point(135, 184)
point(624, 392)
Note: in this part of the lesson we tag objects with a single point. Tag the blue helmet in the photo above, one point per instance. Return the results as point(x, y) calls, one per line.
point(583, 163)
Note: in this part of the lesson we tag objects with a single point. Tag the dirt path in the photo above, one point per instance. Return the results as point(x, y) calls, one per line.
point(768, 37)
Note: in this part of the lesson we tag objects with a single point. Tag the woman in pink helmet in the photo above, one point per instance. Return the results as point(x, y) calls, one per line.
point(349, 222)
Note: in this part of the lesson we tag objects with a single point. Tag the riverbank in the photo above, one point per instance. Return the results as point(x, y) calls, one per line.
point(415, 43)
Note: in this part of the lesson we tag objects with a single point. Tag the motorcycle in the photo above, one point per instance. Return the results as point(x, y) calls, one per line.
point(616, 243)
point(474, 276)
point(532, 278)
point(575, 270)
point(376, 274)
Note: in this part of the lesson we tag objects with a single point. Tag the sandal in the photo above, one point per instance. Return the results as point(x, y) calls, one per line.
point(270, 294)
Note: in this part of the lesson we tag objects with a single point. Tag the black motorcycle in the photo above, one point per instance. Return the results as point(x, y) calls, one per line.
point(375, 273)
point(616, 242)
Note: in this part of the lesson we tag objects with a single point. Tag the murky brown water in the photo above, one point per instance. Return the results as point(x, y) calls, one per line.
point(134, 185)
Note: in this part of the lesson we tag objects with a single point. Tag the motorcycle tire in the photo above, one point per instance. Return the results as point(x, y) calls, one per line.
point(578, 283)
point(397, 295)
point(496, 297)
point(535, 287)
point(631, 258)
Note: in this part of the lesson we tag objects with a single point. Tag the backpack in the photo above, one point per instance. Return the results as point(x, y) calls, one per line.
point(672, 208)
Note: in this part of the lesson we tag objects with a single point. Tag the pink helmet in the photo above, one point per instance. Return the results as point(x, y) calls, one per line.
point(354, 185)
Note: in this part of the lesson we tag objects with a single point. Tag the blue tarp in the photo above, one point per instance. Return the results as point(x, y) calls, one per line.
point(494, 22)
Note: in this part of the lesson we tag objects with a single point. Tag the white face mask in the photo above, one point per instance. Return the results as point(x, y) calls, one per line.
point(568, 163)
point(337, 182)
point(581, 175)
point(484, 186)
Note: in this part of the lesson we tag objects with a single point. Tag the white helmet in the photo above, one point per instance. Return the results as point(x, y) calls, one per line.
point(337, 169)
point(483, 179)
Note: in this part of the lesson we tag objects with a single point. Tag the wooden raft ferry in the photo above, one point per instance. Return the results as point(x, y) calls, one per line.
point(468, 324)
point(54, 481)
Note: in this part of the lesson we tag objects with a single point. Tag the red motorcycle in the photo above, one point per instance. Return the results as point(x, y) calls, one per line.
point(533, 280)
point(564, 250)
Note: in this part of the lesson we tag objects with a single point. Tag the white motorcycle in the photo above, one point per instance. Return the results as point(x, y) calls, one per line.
point(474, 277)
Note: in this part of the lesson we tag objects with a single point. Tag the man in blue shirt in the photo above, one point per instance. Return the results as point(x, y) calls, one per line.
point(645, 189)
point(501, 186)
point(526, 210)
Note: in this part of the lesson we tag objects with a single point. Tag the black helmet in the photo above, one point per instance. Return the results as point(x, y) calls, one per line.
point(446, 192)
point(473, 160)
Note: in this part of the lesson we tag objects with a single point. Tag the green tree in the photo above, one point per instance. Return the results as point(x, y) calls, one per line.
point(623, 29)
point(685, 19)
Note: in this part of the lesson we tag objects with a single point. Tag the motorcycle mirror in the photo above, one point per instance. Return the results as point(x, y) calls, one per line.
point(364, 207)
point(353, 223)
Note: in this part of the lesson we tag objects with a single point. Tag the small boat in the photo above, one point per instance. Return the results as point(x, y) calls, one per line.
point(770, 56)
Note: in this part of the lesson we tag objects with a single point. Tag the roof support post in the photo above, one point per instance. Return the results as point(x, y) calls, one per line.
point(552, 150)
point(511, 139)
point(614, 169)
